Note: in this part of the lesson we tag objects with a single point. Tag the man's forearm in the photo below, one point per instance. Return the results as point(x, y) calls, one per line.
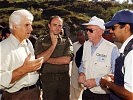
point(17, 74)
point(46, 54)
point(121, 91)
point(59, 60)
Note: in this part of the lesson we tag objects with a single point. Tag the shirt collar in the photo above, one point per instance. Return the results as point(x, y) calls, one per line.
point(121, 50)
point(16, 41)
point(98, 43)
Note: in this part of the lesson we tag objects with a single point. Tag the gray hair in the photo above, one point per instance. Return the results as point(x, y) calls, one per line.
point(15, 17)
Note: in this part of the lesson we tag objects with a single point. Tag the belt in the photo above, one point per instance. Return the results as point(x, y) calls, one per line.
point(28, 88)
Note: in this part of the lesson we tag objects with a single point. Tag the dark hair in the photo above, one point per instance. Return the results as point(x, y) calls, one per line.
point(1, 27)
point(81, 31)
point(52, 17)
point(123, 25)
point(131, 27)
point(5, 30)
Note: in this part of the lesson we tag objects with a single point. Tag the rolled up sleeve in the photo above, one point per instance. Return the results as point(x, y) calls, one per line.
point(5, 79)
point(5, 73)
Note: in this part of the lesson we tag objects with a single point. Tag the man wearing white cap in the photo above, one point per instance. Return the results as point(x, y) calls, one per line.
point(121, 25)
point(98, 60)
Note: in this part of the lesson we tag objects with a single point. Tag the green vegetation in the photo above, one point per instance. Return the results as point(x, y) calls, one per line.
point(73, 12)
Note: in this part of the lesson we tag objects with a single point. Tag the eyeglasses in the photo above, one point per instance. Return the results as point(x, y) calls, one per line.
point(90, 30)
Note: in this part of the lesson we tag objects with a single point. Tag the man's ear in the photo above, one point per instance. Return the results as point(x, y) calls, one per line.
point(14, 26)
point(127, 28)
point(49, 25)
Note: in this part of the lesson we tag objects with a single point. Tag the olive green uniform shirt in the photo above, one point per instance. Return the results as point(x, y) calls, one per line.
point(63, 48)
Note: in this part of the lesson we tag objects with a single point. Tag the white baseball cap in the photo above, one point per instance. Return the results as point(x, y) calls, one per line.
point(96, 21)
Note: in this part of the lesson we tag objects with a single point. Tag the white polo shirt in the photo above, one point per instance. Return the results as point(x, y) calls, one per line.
point(128, 64)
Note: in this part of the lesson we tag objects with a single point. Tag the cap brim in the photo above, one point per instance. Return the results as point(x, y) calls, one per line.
point(86, 24)
point(111, 23)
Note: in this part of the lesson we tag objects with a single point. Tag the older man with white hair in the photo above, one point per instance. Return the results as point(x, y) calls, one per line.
point(98, 60)
point(18, 66)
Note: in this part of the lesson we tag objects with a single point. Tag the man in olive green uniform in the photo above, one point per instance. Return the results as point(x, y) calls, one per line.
point(57, 53)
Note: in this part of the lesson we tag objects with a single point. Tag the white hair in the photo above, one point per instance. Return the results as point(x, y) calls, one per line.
point(15, 17)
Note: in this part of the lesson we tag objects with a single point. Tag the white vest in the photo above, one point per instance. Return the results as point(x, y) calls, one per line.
point(99, 64)
point(74, 69)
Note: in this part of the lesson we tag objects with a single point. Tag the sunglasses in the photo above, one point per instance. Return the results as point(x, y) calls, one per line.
point(90, 30)
point(113, 27)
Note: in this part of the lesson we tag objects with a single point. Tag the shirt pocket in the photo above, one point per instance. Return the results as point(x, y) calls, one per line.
point(101, 68)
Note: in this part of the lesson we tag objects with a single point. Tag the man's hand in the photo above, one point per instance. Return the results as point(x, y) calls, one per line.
point(90, 83)
point(28, 66)
point(54, 39)
point(81, 78)
point(34, 65)
point(111, 76)
point(105, 80)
